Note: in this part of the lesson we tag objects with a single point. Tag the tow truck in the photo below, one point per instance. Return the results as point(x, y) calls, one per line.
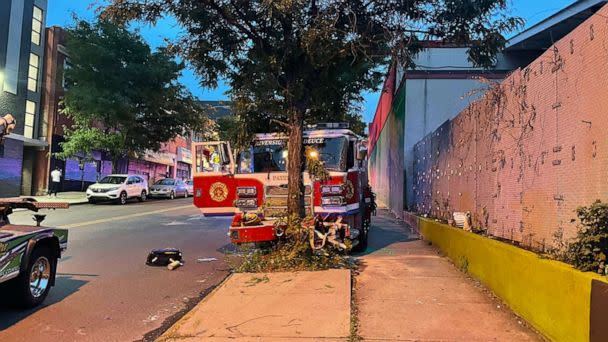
point(253, 188)
point(28, 254)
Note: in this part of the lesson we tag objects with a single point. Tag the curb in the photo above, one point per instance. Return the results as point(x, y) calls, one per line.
point(166, 335)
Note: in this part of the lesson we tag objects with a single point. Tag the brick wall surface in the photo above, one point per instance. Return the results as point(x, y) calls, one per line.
point(524, 157)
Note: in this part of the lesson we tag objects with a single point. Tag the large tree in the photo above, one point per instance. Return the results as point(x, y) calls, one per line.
point(290, 62)
point(123, 97)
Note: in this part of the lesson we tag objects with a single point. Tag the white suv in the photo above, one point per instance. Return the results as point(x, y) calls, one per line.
point(118, 188)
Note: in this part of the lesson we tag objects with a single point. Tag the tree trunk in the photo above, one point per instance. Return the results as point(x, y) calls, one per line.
point(295, 185)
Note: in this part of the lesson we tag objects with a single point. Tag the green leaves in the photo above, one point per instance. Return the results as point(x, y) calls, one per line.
point(125, 98)
point(589, 248)
point(316, 55)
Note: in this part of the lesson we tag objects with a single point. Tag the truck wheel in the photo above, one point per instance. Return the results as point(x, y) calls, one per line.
point(143, 196)
point(362, 245)
point(33, 285)
point(123, 198)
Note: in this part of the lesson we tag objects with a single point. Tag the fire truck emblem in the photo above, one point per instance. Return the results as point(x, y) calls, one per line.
point(218, 191)
point(349, 190)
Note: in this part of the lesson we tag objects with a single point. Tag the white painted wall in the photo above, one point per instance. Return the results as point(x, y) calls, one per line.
point(443, 59)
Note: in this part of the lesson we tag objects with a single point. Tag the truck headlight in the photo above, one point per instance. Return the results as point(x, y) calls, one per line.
point(246, 203)
point(246, 191)
point(332, 201)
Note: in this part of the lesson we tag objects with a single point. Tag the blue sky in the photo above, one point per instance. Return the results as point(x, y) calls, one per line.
point(59, 13)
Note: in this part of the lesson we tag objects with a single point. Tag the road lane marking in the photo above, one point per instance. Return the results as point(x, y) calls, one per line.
point(124, 217)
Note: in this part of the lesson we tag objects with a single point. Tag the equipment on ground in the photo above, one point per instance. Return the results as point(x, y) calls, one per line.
point(164, 257)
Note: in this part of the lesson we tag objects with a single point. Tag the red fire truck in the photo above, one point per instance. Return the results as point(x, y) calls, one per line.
point(253, 188)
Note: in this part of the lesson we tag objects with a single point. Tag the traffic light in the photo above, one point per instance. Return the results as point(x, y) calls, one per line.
point(7, 125)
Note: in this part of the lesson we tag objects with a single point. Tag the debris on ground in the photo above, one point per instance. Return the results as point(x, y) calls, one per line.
point(164, 257)
point(256, 280)
point(206, 259)
point(174, 264)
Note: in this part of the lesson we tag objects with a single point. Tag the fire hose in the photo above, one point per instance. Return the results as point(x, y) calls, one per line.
point(251, 219)
point(330, 235)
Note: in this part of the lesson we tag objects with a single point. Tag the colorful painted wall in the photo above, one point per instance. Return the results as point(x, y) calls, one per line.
point(386, 147)
point(524, 157)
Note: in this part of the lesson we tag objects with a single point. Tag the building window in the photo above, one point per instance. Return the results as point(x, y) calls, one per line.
point(36, 26)
point(32, 74)
point(30, 113)
point(66, 82)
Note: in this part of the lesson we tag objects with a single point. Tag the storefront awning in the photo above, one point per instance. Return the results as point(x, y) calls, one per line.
point(163, 158)
point(27, 141)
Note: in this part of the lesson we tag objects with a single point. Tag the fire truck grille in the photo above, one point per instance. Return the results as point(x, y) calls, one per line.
point(279, 212)
point(282, 201)
point(274, 190)
point(276, 201)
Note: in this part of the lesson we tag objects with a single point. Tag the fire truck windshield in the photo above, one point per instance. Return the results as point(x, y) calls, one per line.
point(271, 155)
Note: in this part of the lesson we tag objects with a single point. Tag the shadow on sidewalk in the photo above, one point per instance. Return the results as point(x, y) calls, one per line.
point(387, 230)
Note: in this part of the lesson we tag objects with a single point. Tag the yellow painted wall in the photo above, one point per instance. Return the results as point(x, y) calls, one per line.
point(552, 296)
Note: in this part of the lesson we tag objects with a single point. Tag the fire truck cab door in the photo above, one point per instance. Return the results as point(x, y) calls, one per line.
point(214, 183)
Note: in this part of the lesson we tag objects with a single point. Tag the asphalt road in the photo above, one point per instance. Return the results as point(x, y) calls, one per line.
point(104, 290)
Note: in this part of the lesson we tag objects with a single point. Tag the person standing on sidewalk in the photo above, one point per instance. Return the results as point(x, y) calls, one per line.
point(55, 181)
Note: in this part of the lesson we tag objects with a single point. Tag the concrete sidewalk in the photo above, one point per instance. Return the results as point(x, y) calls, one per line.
point(71, 197)
point(293, 306)
point(406, 291)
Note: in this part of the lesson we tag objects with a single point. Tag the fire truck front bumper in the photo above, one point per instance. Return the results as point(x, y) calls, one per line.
point(249, 234)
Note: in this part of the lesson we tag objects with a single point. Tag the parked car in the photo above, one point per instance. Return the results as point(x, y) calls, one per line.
point(168, 188)
point(118, 188)
point(190, 187)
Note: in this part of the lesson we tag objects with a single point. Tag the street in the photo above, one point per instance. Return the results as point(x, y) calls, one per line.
point(104, 290)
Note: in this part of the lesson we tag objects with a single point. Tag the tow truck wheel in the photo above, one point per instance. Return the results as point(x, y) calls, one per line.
point(33, 285)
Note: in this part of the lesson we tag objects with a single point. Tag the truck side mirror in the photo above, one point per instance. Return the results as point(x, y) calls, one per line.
point(361, 152)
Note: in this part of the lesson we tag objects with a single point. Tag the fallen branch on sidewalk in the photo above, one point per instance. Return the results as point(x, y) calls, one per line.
point(294, 252)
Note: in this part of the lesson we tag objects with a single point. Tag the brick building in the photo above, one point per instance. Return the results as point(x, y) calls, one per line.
point(416, 102)
point(525, 156)
point(522, 157)
point(173, 159)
